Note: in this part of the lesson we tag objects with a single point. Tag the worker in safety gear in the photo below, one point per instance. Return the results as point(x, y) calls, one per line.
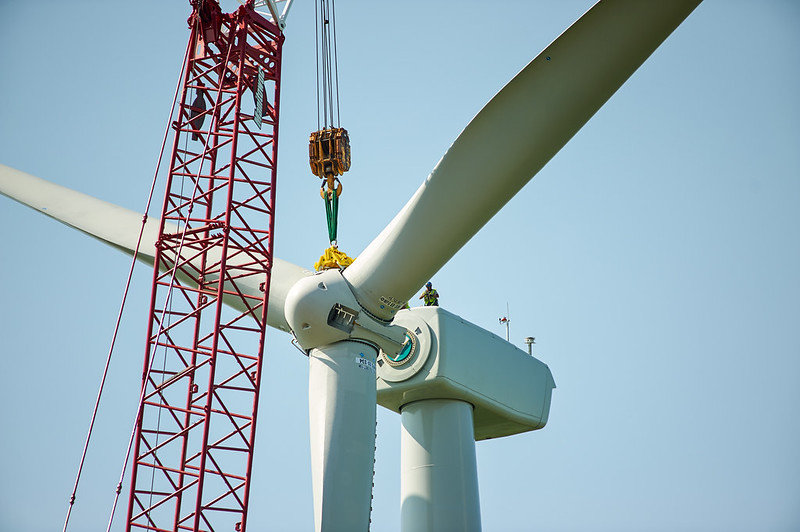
point(430, 296)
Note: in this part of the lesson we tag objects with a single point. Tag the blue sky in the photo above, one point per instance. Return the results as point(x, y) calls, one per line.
point(655, 258)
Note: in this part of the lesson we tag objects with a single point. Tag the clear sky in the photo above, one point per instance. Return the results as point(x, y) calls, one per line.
point(656, 258)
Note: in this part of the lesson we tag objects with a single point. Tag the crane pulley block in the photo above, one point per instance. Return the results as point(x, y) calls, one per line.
point(329, 152)
point(209, 13)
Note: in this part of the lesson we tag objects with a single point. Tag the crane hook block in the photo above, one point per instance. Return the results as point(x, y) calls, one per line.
point(329, 152)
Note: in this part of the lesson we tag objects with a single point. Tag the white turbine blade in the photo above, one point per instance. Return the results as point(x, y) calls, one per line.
point(119, 227)
point(342, 402)
point(508, 142)
point(109, 223)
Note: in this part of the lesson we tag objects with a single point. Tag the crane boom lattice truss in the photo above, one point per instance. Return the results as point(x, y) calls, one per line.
point(193, 447)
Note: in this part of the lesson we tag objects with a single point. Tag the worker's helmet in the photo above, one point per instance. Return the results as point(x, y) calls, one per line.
point(428, 284)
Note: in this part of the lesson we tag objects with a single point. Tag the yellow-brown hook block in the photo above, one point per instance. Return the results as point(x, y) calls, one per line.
point(329, 153)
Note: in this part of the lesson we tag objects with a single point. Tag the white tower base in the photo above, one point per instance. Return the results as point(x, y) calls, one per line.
point(439, 475)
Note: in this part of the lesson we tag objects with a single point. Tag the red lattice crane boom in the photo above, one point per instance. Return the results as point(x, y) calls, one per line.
point(193, 447)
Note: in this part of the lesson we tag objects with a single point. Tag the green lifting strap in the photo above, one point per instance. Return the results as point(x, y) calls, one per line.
point(331, 214)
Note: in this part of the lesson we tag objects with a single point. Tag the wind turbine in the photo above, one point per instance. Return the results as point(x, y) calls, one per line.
point(375, 307)
point(512, 137)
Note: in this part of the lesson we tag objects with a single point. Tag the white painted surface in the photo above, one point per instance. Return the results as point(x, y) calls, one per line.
point(308, 305)
point(439, 476)
point(341, 396)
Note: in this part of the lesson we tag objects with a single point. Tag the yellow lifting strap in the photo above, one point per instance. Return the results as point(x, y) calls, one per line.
point(333, 258)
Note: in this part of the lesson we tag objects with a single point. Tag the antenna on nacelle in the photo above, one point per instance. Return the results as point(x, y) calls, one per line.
point(506, 320)
point(529, 341)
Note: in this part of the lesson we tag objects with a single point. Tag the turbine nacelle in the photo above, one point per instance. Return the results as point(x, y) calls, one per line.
point(451, 358)
point(427, 353)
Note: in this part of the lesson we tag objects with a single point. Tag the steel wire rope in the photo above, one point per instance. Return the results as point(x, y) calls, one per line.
point(316, 54)
point(327, 72)
point(169, 288)
point(328, 69)
point(73, 496)
point(325, 64)
point(320, 19)
point(332, 58)
point(335, 62)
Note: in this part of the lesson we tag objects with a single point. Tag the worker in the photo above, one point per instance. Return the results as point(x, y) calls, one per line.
point(430, 296)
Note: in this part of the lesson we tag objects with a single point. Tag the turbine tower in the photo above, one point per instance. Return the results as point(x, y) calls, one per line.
point(452, 382)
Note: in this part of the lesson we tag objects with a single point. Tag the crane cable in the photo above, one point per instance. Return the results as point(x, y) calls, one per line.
point(329, 146)
point(73, 495)
point(328, 67)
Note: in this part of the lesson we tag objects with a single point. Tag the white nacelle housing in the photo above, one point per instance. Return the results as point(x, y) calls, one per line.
point(451, 358)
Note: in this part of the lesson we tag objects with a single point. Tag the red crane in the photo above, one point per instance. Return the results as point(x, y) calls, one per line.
point(195, 433)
